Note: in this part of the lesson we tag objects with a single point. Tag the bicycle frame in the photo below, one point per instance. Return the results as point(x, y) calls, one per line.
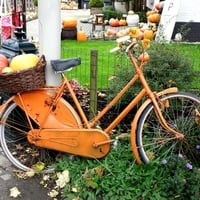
point(145, 92)
point(60, 127)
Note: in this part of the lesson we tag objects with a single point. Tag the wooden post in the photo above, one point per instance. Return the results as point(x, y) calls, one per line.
point(93, 82)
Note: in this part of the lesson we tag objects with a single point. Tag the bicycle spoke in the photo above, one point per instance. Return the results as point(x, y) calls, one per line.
point(154, 142)
point(14, 128)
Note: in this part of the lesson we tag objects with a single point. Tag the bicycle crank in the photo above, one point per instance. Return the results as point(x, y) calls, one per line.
point(74, 141)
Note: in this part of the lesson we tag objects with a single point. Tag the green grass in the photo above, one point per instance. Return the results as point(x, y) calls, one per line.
point(107, 62)
point(117, 176)
point(90, 44)
point(192, 51)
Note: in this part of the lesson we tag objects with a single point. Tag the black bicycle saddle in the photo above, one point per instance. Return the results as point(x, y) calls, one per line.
point(60, 65)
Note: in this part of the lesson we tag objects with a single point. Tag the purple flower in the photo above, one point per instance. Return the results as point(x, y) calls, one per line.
point(164, 162)
point(189, 166)
point(198, 146)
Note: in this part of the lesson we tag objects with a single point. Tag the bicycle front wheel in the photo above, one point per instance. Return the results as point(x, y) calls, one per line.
point(13, 137)
point(180, 111)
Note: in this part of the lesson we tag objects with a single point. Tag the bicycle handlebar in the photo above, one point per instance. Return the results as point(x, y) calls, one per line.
point(126, 39)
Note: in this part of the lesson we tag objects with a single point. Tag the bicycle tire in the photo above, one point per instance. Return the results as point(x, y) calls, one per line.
point(13, 137)
point(154, 142)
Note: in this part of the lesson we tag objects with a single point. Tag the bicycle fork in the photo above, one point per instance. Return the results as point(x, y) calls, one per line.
point(155, 99)
point(158, 106)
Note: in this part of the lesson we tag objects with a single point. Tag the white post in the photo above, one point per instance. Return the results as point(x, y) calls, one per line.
point(49, 19)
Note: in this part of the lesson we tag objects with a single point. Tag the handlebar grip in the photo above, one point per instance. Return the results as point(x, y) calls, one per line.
point(123, 39)
point(114, 49)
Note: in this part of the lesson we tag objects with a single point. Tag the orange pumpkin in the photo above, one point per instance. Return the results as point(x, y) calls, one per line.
point(122, 22)
point(148, 34)
point(81, 35)
point(150, 12)
point(69, 22)
point(154, 18)
point(3, 62)
point(114, 22)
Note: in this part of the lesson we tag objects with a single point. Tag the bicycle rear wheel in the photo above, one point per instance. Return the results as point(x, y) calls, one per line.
point(181, 114)
point(13, 137)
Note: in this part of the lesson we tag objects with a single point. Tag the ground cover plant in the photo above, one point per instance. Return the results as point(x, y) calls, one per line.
point(117, 176)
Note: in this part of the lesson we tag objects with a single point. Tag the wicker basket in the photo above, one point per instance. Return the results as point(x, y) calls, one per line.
point(24, 80)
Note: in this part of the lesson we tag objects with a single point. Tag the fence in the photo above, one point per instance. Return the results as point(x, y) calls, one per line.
point(100, 68)
point(96, 71)
point(107, 65)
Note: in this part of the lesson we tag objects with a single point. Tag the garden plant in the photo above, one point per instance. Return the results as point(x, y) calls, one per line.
point(118, 176)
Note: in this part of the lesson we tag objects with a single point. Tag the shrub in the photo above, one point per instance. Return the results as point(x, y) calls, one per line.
point(182, 180)
point(35, 2)
point(96, 3)
point(117, 176)
point(142, 16)
point(112, 14)
point(166, 68)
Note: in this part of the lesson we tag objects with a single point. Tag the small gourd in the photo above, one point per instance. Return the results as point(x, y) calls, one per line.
point(81, 35)
point(122, 22)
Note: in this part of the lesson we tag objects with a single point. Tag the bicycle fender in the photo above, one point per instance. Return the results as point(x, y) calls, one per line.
point(137, 116)
point(5, 104)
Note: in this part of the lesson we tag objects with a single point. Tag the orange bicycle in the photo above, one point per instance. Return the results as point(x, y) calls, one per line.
point(33, 123)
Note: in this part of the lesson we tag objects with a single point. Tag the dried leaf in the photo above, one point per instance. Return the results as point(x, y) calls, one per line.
point(53, 193)
point(74, 189)
point(99, 170)
point(63, 178)
point(197, 117)
point(14, 192)
point(38, 167)
point(30, 173)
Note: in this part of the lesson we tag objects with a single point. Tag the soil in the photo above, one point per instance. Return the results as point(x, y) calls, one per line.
point(30, 188)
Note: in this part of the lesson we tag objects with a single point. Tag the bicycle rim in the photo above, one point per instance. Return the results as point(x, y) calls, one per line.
point(13, 136)
point(180, 112)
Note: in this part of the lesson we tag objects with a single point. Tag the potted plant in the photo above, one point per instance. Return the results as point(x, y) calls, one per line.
point(96, 6)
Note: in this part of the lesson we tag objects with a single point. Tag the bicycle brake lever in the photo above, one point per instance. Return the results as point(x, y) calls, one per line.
point(120, 40)
point(134, 41)
point(114, 49)
point(123, 39)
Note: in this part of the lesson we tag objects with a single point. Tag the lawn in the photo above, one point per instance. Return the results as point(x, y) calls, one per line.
point(107, 62)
